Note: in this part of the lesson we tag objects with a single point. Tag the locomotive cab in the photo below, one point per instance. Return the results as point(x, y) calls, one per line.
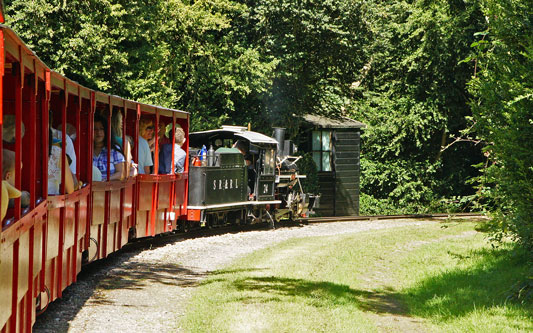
point(232, 176)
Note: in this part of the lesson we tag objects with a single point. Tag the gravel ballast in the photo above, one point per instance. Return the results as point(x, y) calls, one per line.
point(146, 290)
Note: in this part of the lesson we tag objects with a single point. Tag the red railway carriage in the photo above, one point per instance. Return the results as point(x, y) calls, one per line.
point(46, 236)
point(161, 197)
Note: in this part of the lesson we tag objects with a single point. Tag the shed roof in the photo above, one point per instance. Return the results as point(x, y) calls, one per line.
point(326, 122)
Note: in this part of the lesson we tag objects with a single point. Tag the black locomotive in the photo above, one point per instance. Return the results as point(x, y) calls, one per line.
point(241, 176)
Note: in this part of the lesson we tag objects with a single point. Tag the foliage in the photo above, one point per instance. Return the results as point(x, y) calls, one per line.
point(307, 167)
point(175, 53)
point(522, 291)
point(503, 104)
point(395, 65)
point(320, 47)
point(368, 205)
point(412, 97)
point(80, 34)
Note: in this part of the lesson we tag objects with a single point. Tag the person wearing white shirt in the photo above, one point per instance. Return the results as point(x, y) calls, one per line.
point(71, 153)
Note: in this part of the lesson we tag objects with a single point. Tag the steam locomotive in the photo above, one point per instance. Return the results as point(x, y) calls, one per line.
point(254, 181)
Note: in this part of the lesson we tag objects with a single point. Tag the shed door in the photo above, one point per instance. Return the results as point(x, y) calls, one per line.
point(346, 145)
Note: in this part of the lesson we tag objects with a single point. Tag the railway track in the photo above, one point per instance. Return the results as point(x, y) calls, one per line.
point(385, 217)
point(162, 239)
point(207, 232)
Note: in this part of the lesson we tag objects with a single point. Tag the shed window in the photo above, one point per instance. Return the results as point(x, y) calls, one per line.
point(322, 150)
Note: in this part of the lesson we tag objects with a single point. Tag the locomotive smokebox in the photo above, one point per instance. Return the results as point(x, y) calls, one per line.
point(279, 135)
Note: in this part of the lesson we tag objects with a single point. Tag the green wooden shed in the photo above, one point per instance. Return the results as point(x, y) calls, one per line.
point(335, 144)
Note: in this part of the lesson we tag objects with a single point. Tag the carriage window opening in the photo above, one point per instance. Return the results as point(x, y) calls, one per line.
point(321, 147)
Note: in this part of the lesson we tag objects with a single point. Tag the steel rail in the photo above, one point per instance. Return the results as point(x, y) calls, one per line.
point(234, 228)
point(384, 217)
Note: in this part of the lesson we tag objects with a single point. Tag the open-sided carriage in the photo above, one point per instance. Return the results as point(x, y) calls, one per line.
point(45, 241)
point(238, 177)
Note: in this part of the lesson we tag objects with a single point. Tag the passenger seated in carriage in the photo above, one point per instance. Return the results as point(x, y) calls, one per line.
point(163, 139)
point(54, 169)
point(8, 170)
point(116, 164)
point(146, 132)
point(116, 131)
point(8, 166)
point(165, 154)
point(9, 159)
point(56, 137)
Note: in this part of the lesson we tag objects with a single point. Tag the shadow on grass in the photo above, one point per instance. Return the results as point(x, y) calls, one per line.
point(136, 275)
point(317, 294)
point(485, 284)
point(238, 270)
point(453, 294)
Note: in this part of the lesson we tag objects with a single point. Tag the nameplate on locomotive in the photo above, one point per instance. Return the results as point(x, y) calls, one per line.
point(225, 184)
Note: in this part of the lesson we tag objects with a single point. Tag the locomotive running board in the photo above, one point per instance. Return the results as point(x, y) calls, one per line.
point(236, 204)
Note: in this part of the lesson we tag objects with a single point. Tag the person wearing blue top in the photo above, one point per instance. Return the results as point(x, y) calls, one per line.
point(165, 154)
point(146, 132)
point(116, 163)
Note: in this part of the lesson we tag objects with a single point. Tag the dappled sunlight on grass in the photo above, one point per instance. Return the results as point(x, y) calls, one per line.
point(481, 284)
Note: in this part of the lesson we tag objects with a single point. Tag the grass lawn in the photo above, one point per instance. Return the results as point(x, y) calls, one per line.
point(440, 276)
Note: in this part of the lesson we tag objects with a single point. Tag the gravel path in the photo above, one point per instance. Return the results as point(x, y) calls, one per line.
point(146, 290)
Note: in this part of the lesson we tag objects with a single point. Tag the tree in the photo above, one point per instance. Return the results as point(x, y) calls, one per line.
point(413, 99)
point(174, 53)
point(319, 47)
point(394, 65)
point(503, 112)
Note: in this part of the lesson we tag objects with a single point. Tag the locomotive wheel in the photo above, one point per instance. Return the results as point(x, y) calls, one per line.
point(224, 218)
point(183, 226)
point(270, 219)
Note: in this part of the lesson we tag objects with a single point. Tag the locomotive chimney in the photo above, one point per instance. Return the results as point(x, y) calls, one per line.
point(279, 135)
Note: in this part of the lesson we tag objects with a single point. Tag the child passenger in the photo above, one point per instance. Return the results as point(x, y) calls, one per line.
point(8, 174)
point(54, 169)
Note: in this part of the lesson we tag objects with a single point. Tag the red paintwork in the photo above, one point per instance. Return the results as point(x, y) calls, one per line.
point(110, 234)
point(66, 227)
point(41, 248)
point(194, 215)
